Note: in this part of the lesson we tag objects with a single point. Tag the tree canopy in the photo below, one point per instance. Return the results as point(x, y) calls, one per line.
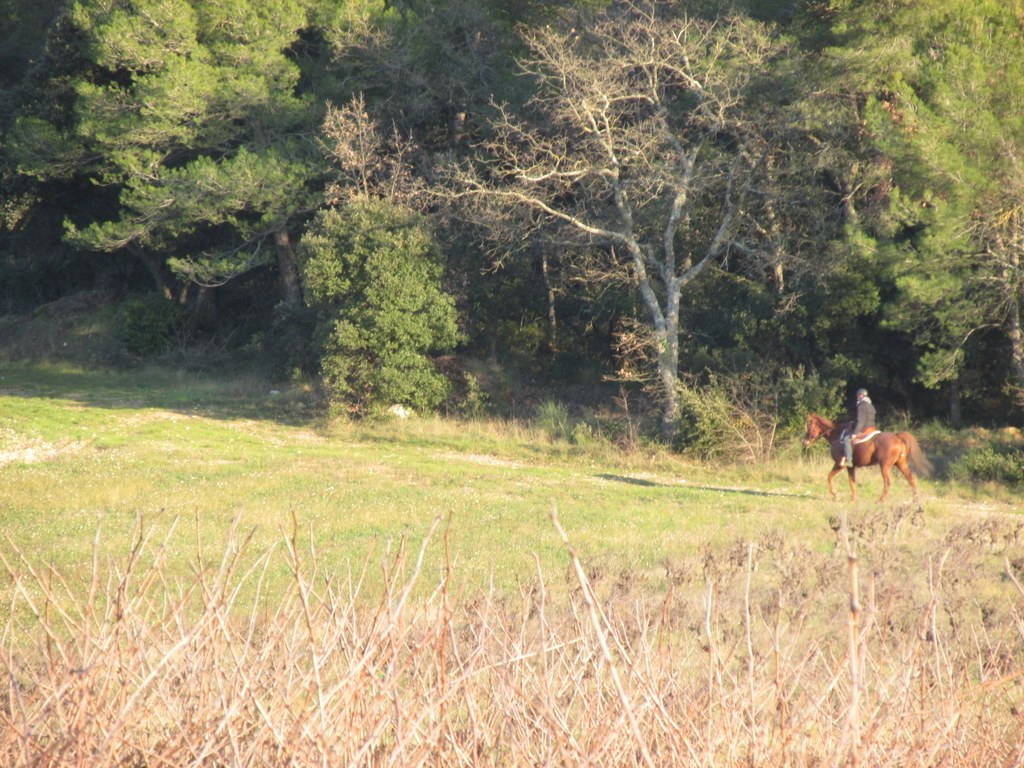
point(675, 197)
point(947, 114)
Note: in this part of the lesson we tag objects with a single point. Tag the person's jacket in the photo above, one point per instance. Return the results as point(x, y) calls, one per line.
point(865, 416)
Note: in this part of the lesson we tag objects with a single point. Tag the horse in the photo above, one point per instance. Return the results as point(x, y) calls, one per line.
point(885, 449)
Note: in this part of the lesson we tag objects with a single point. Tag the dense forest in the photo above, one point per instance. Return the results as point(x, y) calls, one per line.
point(710, 208)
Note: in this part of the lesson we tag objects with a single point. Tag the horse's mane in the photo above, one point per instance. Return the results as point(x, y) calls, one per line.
point(819, 418)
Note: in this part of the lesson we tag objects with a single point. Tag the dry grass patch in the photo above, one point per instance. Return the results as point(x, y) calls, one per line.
point(22, 451)
point(761, 653)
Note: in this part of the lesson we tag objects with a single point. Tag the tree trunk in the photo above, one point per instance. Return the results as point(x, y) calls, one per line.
point(668, 363)
point(1014, 330)
point(1016, 346)
point(552, 316)
point(670, 410)
point(197, 307)
point(288, 268)
point(665, 322)
point(955, 416)
point(154, 266)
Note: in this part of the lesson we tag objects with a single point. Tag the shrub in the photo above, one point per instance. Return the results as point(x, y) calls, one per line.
point(740, 413)
point(466, 396)
point(755, 662)
point(285, 346)
point(698, 430)
point(583, 434)
point(997, 463)
point(146, 324)
point(372, 271)
point(553, 420)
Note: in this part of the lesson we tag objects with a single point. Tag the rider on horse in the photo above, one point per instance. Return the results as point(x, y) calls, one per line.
point(864, 419)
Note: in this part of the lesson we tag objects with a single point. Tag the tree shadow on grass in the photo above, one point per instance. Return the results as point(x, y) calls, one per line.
point(716, 489)
point(223, 397)
point(632, 481)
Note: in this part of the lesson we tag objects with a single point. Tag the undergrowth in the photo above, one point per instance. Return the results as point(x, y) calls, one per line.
point(761, 653)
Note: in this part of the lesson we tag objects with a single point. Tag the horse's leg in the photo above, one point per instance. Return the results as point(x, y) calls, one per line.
point(851, 474)
point(886, 468)
point(831, 477)
point(905, 469)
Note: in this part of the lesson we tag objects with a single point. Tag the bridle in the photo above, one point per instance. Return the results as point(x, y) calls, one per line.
point(814, 431)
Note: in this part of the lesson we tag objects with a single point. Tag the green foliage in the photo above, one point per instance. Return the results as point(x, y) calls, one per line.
point(699, 430)
point(372, 272)
point(467, 397)
point(193, 113)
point(946, 111)
point(23, 28)
point(553, 419)
point(992, 463)
point(179, 137)
point(146, 324)
point(286, 345)
point(740, 414)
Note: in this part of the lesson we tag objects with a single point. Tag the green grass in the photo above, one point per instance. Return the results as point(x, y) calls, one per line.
point(84, 450)
point(728, 653)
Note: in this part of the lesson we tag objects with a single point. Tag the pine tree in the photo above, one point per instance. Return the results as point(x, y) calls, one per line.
point(193, 113)
point(948, 111)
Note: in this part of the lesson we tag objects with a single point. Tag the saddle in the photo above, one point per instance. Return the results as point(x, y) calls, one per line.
point(869, 433)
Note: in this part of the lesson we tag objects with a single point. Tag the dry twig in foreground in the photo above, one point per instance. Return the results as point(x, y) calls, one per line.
point(134, 668)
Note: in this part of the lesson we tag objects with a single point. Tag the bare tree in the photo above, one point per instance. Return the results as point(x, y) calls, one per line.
point(367, 162)
point(1000, 231)
point(641, 146)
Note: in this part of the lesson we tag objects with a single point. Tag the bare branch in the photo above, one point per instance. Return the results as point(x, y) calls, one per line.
point(638, 138)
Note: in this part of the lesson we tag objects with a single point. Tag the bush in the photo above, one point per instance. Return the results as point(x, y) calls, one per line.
point(740, 413)
point(372, 272)
point(466, 396)
point(286, 345)
point(146, 324)
point(583, 434)
point(996, 463)
point(553, 420)
point(128, 665)
point(699, 430)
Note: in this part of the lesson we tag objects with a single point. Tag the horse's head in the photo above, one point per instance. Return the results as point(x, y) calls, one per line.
point(815, 429)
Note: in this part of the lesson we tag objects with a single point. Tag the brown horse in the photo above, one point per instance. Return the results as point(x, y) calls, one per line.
point(884, 449)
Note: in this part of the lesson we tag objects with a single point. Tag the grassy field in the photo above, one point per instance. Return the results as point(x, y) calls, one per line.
point(81, 451)
point(712, 615)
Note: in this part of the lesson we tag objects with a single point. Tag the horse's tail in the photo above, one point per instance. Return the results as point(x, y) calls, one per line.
point(918, 461)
